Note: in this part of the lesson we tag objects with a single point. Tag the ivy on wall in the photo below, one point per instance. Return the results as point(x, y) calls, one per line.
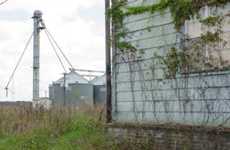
point(181, 10)
point(197, 55)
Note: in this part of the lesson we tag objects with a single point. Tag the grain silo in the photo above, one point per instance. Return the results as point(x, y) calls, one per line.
point(71, 89)
point(99, 90)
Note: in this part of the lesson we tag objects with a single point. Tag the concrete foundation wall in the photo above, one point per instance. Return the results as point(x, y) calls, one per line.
point(166, 137)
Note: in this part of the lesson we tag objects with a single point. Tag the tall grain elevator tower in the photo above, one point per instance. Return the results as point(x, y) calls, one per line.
point(38, 26)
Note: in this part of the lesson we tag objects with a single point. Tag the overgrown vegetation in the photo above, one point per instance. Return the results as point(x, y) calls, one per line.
point(181, 10)
point(178, 59)
point(60, 128)
point(24, 128)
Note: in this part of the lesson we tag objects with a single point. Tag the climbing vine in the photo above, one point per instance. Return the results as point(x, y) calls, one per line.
point(197, 54)
point(171, 61)
point(187, 55)
point(181, 10)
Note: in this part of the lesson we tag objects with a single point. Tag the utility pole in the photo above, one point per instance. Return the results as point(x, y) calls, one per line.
point(64, 89)
point(38, 26)
point(108, 64)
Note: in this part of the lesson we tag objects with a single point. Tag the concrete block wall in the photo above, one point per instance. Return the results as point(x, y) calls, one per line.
point(141, 93)
point(170, 138)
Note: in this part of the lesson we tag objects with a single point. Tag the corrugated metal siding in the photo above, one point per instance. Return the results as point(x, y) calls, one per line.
point(99, 94)
point(75, 94)
point(142, 94)
point(56, 94)
point(80, 94)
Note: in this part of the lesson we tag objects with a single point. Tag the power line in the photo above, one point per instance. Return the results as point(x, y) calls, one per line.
point(93, 71)
point(66, 58)
point(63, 54)
point(55, 51)
point(18, 63)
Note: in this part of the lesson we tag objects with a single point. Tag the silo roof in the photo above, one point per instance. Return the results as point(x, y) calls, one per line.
point(98, 80)
point(71, 78)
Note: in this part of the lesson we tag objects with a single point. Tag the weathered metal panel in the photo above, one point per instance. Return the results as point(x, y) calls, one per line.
point(99, 94)
point(141, 93)
point(75, 94)
point(80, 94)
point(56, 94)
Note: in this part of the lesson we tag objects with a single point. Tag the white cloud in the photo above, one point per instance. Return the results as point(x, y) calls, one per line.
point(76, 26)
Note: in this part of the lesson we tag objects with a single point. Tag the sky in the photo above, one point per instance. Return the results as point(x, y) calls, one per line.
point(78, 27)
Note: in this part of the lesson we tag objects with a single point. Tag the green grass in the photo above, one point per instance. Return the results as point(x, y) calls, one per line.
point(60, 128)
point(54, 131)
point(84, 133)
